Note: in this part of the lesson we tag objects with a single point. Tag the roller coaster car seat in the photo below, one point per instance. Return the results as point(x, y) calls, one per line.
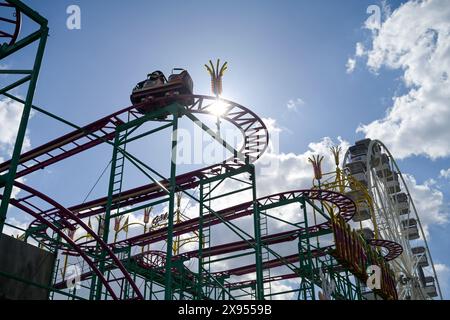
point(162, 91)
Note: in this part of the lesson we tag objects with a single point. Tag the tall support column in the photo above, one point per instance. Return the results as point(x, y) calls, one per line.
point(306, 260)
point(257, 231)
point(8, 179)
point(199, 288)
point(107, 218)
point(172, 191)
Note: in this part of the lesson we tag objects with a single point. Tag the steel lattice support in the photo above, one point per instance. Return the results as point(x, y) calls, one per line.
point(204, 277)
point(31, 77)
point(122, 136)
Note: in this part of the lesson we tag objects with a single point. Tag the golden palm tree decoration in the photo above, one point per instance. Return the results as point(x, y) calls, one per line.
point(316, 162)
point(117, 226)
point(147, 212)
point(216, 73)
point(125, 227)
point(180, 217)
point(336, 151)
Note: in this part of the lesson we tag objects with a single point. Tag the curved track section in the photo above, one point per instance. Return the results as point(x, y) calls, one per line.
point(394, 250)
point(57, 218)
point(152, 259)
point(255, 134)
point(11, 21)
point(344, 206)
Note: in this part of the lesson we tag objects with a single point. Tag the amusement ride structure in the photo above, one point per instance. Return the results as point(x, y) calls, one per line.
point(355, 234)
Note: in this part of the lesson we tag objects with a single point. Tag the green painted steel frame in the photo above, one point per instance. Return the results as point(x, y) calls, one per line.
point(309, 266)
point(40, 35)
point(175, 111)
point(201, 284)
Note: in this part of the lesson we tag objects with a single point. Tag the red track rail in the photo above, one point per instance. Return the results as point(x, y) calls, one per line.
point(16, 23)
point(394, 249)
point(254, 131)
point(58, 218)
point(345, 206)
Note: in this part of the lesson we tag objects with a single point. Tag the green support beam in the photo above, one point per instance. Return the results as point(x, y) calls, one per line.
point(107, 217)
point(40, 36)
point(257, 235)
point(172, 189)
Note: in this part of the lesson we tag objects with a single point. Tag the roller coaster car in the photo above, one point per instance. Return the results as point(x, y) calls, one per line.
point(156, 87)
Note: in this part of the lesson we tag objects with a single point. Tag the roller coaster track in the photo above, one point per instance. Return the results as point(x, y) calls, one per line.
point(254, 131)
point(57, 217)
point(345, 207)
point(64, 218)
point(394, 250)
point(15, 22)
point(157, 261)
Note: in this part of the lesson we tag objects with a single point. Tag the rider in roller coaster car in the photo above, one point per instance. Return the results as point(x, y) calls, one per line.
point(160, 91)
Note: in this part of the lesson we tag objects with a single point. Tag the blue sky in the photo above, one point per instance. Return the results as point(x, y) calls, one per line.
point(277, 51)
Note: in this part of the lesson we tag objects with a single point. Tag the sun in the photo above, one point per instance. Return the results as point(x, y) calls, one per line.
point(218, 108)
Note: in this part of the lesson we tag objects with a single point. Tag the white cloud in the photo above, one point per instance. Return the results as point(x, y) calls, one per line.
point(429, 202)
point(360, 51)
point(351, 64)
point(10, 115)
point(445, 173)
point(279, 171)
point(283, 286)
point(415, 39)
point(293, 104)
point(293, 171)
point(10, 231)
point(443, 274)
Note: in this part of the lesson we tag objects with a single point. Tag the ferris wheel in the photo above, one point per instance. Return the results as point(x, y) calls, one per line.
point(372, 164)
